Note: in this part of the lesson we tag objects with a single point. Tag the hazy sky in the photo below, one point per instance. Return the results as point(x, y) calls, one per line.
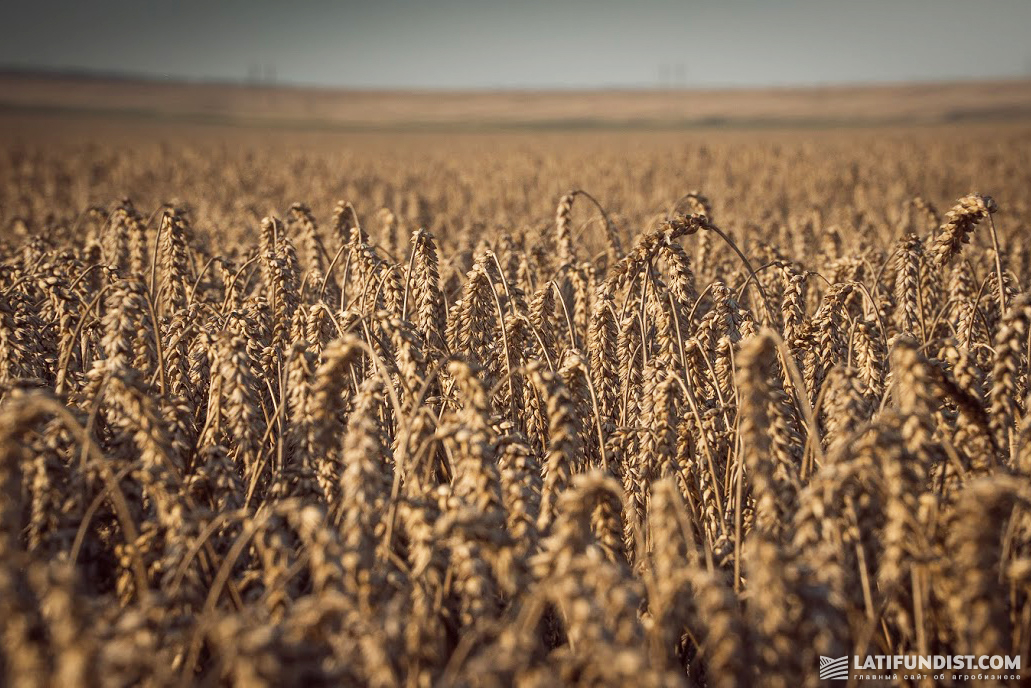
point(527, 43)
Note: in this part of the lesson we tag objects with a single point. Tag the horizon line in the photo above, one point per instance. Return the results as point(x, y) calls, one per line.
point(17, 70)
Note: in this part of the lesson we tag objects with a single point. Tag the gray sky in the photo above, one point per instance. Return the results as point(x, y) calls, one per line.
point(527, 43)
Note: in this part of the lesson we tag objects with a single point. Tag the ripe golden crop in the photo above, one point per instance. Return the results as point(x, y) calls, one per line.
point(439, 433)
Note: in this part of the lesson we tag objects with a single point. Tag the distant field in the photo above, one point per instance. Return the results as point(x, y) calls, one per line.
point(302, 107)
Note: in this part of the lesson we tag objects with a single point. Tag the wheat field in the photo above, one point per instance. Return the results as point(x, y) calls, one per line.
point(651, 409)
